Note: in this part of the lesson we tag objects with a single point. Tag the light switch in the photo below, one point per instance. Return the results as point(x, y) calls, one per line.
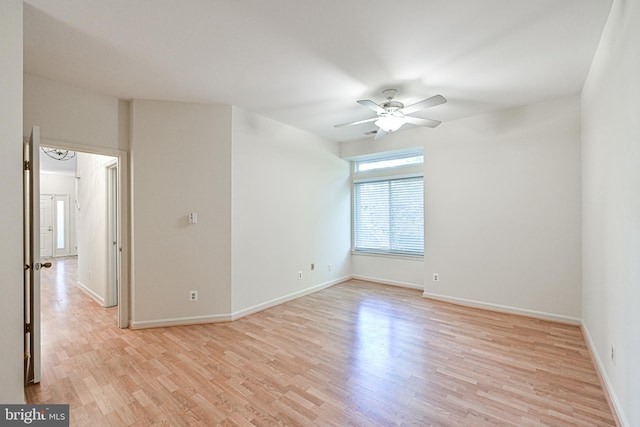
point(193, 218)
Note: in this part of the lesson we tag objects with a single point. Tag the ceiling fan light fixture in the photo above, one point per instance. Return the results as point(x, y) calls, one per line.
point(392, 115)
point(390, 123)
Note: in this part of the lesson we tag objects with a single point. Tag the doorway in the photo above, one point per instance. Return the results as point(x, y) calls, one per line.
point(32, 231)
point(82, 197)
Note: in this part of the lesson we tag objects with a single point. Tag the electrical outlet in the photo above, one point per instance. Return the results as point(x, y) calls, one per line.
point(299, 274)
point(613, 354)
point(193, 295)
point(330, 267)
point(436, 277)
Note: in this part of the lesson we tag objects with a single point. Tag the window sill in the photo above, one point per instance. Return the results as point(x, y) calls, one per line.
point(389, 255)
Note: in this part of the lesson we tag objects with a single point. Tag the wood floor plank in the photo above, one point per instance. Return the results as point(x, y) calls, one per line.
point(355, 354)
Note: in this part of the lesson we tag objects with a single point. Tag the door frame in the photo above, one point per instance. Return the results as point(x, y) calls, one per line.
point(124, 216)
point(113, 235)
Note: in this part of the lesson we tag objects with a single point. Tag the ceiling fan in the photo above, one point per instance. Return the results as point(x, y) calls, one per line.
point(392, 115)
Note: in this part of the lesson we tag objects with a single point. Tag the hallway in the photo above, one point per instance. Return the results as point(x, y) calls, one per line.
point(69, 320)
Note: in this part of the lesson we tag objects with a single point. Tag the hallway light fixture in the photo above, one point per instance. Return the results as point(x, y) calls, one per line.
point(58, 154)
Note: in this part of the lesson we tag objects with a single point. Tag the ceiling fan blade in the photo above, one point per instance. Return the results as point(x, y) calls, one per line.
point(372, 105)
point(425, 103)
point(381, 133)
point(422, 122)
point(359, 122)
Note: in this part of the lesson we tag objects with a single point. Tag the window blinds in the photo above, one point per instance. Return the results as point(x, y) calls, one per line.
point(389, 216)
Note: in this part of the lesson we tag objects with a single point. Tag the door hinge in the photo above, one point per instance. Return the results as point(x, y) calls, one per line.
point(27, 328)
point(27, 165)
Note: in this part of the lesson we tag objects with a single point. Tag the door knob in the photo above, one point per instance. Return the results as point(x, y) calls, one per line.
point(44, 265)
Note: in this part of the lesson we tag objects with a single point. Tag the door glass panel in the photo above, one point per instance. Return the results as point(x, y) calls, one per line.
point(60, 243)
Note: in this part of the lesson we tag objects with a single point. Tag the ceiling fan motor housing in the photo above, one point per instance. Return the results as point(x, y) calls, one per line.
point(392, 105)
point(389, 93)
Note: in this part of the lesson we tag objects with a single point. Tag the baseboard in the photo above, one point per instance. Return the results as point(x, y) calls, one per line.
point(179, 321)
point(612, 398)
point(389, 282)
point(277, 301)
point(505, 309)
point(217, 318)
point(97, 298)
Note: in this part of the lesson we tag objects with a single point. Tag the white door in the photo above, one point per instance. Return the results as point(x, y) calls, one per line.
point(46, 226)
point(32, 263)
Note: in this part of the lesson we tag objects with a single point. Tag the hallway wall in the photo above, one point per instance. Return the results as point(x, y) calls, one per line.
point(92, 224)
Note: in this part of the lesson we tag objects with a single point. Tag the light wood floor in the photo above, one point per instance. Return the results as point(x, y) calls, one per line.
point(356, 354)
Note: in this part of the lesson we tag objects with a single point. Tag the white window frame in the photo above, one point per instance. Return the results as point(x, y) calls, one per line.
point(383, 174)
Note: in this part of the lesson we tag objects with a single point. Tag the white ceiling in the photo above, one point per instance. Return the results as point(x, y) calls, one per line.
point(58, 167)
point(306, 62)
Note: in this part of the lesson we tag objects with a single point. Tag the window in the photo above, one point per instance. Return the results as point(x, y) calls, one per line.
point(389, 162)
point(389, 209)
point(60, 231)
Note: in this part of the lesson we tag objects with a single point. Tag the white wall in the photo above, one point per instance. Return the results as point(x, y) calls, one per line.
point(502, 210)
point(181, 155)
point(502, 207)
point(92, 224)
point(398, 271)
point(11, 285)
point(291, 208)
point(611, 206)
point(57, 184)
point(69, 114)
